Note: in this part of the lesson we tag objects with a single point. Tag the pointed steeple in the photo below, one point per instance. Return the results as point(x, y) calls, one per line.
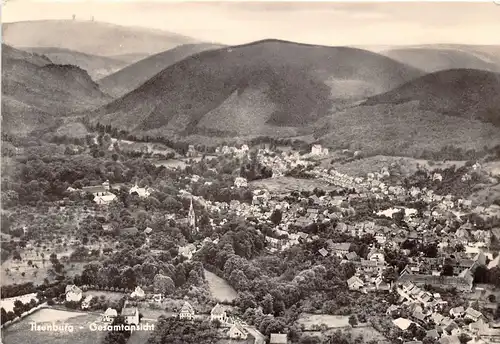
point(191, 216)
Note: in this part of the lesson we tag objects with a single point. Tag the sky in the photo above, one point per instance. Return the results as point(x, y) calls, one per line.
point(332, 23)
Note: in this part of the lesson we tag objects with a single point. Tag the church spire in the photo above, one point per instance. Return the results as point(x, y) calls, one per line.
point(191, 216)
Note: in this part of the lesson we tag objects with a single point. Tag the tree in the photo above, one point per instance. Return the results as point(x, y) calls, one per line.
point(353, 321)
point(117, 336)
point(267, 304)
point(276, 216)
point(447, 270)
point(163, 284)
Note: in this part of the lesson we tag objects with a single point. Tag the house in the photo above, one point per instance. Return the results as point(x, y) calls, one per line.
point(461, 283)
point(472, 314)
point(131, 316)
point(86, 302)
point(73, 293)
point(457, 312)
point(376, 256)
point(323, 252)
point(109, 315)
point(187, 311)
point(218, 313)
point(355, 283)
point(278, 338)
point(104, 199)
point(148, 230)
point(237, 332)
point(340, 249)
point(138, 292)
point(318, 150)
point(352, 256)
point(240, 182)
point(141, 192)
point(187, 251)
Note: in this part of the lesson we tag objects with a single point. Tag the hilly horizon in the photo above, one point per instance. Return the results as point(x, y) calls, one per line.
point(90, 37)
point(35, 91)
point(458, 108)
point(254, 88)
point(97, 66)
point(132, 76)
point(466, 93)
point(433, 59)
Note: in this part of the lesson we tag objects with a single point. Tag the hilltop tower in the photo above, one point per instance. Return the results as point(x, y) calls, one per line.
point(192, 216)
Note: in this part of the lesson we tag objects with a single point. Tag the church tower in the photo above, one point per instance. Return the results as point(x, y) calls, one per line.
point(192, 216)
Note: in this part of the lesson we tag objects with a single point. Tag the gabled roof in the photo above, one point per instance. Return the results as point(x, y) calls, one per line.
point(187, 308)
point(239, 327)
point(94, 189)
point(217, 310)
point(473, 313)
point(354, 279)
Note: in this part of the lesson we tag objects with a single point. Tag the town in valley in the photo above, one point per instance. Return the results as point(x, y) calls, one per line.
point(147, 201)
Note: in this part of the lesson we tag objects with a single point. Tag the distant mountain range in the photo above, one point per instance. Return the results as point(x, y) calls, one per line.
point(97, 66)
point(93, 38)
point(255, 88)
point(437, 58)
point(398, 101)
point(134, 75)
point(35, 91)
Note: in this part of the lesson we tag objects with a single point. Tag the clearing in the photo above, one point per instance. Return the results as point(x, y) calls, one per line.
point(310, 321)
point(219, 288)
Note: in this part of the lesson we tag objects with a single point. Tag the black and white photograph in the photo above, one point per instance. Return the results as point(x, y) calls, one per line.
point(250, 172)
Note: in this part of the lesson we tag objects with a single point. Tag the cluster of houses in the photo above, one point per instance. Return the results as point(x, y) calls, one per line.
point(235, 328)
point(427, 310)
point(103, 195)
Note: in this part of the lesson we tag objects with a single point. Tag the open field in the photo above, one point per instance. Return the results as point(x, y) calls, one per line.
point(21, 332)
point(32, 274)
point(171, 163)
point(288, 184)
point(331, 321)
point(219, 288)
point(368, 333)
